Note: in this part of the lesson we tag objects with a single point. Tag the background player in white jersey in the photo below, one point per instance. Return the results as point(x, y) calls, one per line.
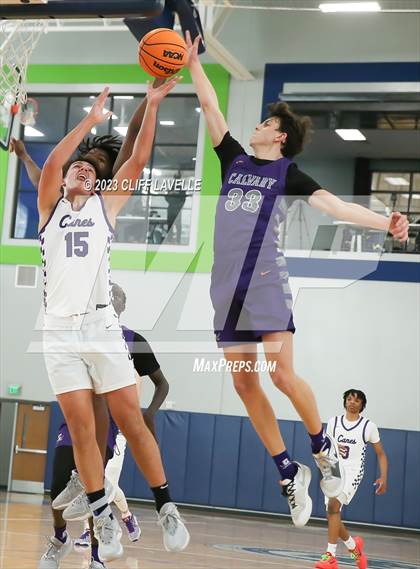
point(83, 345)
point(352, 432)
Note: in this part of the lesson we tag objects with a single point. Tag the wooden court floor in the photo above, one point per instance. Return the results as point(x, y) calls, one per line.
point(219, 541)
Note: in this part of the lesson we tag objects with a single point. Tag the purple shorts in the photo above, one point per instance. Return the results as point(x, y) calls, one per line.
point(257, 302)
point(64, 438)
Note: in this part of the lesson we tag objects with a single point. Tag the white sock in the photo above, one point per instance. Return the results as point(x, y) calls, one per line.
point(350, 544)
point(121, 502)
point(332, 548)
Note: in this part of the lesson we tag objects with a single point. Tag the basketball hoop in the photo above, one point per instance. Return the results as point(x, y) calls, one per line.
point(18, 38)
point(29, 111)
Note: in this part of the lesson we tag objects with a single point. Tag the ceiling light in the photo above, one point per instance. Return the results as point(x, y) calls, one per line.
point(31, 131)
point(350, 134)
point(93, 130)
point(121, 130)
point(414, 197)
point(198, 109)
point(87, 110)
point(350, 7)
point(127, 97)
point(397, 181)
point(167, 123)
point(194, 158)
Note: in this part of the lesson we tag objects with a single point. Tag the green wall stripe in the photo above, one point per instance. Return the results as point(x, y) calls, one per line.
point(198, 261)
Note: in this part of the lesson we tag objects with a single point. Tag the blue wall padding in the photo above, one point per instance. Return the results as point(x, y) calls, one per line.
point(411, 504)
point(200, 459)
point(388, 509)
point(227, 437)
point(217, 460)
point(250, 483)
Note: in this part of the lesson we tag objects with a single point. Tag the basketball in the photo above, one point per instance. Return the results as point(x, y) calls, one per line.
point(162, 52)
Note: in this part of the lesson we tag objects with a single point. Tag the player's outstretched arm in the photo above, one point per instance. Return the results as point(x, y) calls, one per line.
point(124, 181)
point(381, 483)
point(396, 224)
point(52, 171)
point(207, 96)
point(34, 172)
point(159, 396)
point(133, 129)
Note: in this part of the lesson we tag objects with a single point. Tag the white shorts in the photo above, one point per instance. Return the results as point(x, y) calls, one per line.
point(351, 484)
point(87, 352)
point(114, 466)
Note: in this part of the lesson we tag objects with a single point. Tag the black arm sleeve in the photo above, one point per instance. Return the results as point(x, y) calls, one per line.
point(299, 185)
point(144, 359)
point(227, 151)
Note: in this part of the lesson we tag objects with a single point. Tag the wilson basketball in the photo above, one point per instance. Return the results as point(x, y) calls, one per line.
point(162, 52)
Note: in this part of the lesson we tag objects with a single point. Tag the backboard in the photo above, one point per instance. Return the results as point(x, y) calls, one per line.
point(37, 9)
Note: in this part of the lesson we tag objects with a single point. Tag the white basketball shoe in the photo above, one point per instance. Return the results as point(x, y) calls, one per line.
point(297, 493)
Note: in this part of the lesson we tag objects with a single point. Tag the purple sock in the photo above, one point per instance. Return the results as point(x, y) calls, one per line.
point(318, 441)
point(286, 467)
point(95, 554)
point(60, 534)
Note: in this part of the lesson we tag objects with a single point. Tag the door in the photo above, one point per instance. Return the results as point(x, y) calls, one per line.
point(30, 448)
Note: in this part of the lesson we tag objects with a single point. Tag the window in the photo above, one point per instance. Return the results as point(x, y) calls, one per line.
point(396, 191)
point(149, 216)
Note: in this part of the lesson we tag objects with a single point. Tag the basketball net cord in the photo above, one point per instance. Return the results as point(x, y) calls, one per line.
point(17, 41)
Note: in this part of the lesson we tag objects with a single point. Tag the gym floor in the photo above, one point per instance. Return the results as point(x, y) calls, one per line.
point(219, 541)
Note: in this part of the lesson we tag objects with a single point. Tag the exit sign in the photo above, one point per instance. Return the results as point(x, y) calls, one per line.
point(14, 389)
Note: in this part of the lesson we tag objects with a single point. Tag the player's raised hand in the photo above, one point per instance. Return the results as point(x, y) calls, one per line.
point(192, 48)
point(156, 94)
point(399, 226)
point(98, 113)
point(381, 486)
point(18, 148)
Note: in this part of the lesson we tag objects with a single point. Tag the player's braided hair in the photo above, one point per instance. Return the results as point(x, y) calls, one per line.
point(298, 128)
point(355, 393)
point(108, 143)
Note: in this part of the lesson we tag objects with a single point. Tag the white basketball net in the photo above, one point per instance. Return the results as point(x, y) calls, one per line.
point(17, 40)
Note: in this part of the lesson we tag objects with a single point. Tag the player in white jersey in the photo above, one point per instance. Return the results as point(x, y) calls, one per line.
point(83, 344)
point(352, 432)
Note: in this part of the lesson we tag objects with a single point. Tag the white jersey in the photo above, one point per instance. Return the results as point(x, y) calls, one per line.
point(352, 438)
point(75, 248)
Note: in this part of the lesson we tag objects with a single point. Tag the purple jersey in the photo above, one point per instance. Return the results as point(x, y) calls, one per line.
point(250, 208)
point(249, 289)
point(64, 438)
point(129, 338)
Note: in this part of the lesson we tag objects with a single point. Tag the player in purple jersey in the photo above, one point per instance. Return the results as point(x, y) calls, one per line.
point(144, 360)
point(249, 288)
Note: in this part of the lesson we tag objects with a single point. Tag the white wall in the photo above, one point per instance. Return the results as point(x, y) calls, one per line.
point(365, 335)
